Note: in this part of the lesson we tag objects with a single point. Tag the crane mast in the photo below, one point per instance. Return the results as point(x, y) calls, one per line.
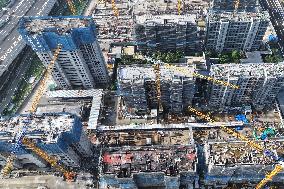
point(158, 87)
point(114, 8)
point(179, 7)
point(71, 6)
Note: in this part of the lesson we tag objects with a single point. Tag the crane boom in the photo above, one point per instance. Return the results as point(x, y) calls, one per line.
point(71, 7)
point(43, 82)
point(7, 169)
point(53, 161)
point(114, 8)
point(179, 7)
point(278, 168)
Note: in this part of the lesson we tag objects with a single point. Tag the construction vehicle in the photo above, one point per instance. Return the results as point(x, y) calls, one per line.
point(71, 6)
point(20, 137)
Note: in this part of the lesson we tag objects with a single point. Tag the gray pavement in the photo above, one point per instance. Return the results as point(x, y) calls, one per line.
point(15, 82)
point(11, 43)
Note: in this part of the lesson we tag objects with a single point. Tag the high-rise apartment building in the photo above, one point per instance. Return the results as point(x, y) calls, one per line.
point(138, 87)
point(227, 31)
point(80, 63)
point(166, 32)
point(60, 135)
point(229, 5)
point(259, 85)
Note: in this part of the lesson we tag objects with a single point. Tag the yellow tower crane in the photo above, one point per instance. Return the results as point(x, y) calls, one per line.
point(42, 86)
point(29, 144)
point(158, 87)
point(71, 6)
point(179, 7)
point(114, 8)
point(278, 168)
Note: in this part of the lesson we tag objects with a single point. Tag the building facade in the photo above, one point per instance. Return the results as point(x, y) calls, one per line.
point(241, 31)
point(60, 135)
point(138, 87)
point(80, 64)
point(166, 33)
point(259, 85)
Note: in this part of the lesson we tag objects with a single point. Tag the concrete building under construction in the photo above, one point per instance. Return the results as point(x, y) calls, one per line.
point(236, 162)
point(60, 135)
point(164, 167)
point(230, 5)
point(137, 86)
point(166, 33)
point(259, 85)
point(242, 31)
point(80, 64)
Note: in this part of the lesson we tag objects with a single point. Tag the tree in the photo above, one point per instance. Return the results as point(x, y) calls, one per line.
point(224, 58)
point(235, 55)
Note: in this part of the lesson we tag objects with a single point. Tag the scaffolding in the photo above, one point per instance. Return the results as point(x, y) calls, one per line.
point(158, 86)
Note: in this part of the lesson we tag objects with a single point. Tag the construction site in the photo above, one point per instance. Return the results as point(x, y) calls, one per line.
point(148, 129)
point(138, 90)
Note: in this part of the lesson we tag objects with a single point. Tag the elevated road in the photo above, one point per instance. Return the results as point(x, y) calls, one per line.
point(276, 12)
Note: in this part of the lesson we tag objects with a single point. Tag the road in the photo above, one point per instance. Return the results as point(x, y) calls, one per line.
point(14, 84)
point(11, 43)
point(276, 12)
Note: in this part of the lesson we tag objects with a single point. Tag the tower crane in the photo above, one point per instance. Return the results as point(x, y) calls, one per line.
point(158, 87)
point(71, 6)
point(179, 6)
point(278, 168)
point(114, 8)
point(237, 3)
point(52, 160)
point(20, 139)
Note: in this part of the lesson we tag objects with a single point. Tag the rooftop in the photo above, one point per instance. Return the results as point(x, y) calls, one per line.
point(249, 70)
point(230, 154)
point(240, 16)
point(166, 19)
point(46, 127)
point(60, 24)
point(137, 72)
point(167, 159)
